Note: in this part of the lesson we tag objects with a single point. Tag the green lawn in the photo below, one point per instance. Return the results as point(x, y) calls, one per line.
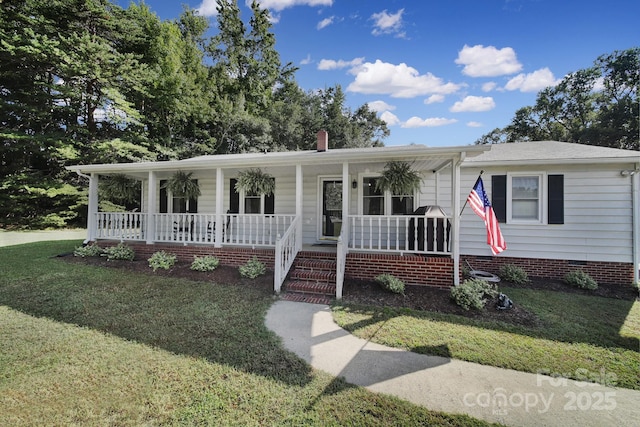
point(82, 345)
point(581, 337)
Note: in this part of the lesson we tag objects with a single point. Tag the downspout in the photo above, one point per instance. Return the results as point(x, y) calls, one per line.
point(635, 186)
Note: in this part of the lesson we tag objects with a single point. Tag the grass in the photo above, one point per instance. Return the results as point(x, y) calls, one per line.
point(579, 337)
point(84, 345)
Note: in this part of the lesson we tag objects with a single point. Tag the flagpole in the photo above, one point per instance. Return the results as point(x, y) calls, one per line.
point(474, 186)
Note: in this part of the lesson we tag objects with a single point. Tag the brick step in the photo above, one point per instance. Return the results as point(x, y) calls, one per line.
point(316, 256)
point(315, 264)
point(308, 298)
point(301, 286)
point(313, 276)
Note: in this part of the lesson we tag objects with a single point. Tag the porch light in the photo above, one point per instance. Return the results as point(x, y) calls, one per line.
point(354, 184)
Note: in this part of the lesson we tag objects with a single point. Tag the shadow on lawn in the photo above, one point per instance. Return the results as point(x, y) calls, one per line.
point(220, 323)
point(561, 318)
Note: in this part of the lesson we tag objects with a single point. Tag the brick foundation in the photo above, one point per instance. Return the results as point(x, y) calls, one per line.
point(410, 268)
point(613, 273)
point(231, 256)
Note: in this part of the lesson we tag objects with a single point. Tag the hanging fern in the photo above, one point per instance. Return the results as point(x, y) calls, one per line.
point(120, 188)
point(254, 181)
point(182, 184)
point(399, 179)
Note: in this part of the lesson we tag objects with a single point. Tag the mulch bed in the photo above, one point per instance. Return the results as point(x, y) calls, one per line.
point(370, 293)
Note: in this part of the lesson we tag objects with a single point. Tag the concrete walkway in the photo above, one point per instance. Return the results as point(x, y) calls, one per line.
point(493, 394)
point(9, 238)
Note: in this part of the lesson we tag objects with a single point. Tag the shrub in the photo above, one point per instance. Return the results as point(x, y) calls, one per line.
point(514, 274)
point(119, 252)
point(162, 259)
point(205, 263)
point(472, 293)
point(253, 268)
point(580, 279)
point(87, 251)
point(391, 283)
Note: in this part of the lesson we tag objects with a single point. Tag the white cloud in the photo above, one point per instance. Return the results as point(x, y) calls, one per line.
point(598, 86)
point(208, 8)
point(480, 61)
point(306, 60)
point(398, 81)
point(385, 23)
point(532, 82)
point(434, 98)
point(474, 104)
point(331, 64)
point(379, 106)
point(279, 5)
point(417, 122)
point(489, 86)
point(325, 23)
point(390, 118)
point(474, 124)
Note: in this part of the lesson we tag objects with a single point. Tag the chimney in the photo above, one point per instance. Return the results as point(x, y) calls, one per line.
point(323, 141)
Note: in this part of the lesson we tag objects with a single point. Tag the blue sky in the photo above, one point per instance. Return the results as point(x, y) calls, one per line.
point(441, 72)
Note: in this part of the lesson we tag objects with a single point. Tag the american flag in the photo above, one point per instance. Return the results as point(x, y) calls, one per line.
point(480, 204)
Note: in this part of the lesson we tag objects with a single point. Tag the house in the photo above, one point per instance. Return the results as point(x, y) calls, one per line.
point(561, 207)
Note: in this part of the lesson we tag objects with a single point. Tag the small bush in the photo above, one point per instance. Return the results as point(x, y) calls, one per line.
point(391, 283)
point(119, 252)
point(472, 294)
point(163, 260)
point(87, 251)
point(252, 269)
point(514, 274)
point(205, 263)
point(580, 279)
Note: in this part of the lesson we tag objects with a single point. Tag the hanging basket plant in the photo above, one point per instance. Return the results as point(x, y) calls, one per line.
point(120, 188)
point(399, 179)
point(254, 181)
point(182, 184)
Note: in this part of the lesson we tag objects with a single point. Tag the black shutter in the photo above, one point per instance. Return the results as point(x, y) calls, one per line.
point(499, 196)
point(234, 197)
point(270, 202)
point(163, 197)
point(555, 202)
point(193, 203)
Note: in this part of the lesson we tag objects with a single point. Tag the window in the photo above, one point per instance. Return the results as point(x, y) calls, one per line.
point(251, 203)
point(402, 205)
point(376, 202)
point(372, 198)
point(178, 204)
point(528, 198)
point(525, 198)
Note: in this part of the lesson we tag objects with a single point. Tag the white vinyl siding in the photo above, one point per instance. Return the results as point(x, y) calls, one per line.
point(597, 225)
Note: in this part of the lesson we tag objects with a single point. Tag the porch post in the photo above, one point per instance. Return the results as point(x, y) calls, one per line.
point(299, 204)
point(219, 207)
point(345, 203)
point(92, 211)
point(455, 206)
point(152, 198)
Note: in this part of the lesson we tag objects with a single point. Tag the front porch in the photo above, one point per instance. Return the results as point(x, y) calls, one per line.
point(414, 248)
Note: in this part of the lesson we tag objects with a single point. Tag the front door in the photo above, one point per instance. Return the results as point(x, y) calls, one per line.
point(331, 202)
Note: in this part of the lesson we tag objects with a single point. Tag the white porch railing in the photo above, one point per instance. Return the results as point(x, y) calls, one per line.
point(287, 247)
point(255, 230)
point(400, 233)
point(120, 225)
point(184, 227)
